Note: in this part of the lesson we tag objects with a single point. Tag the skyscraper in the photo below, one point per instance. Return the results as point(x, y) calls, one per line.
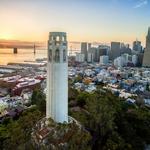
point(137, 46)
point(125, 48)
point(57, 78)
point(146, 59)
point(89, 46)
point(103, 50)
point(84, 49)
point(115, 50)
point(93, 51)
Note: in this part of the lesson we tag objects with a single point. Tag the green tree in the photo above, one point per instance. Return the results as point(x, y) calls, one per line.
point(17, 133)
point(39, 99)
point(81, 98)
point(113, 123)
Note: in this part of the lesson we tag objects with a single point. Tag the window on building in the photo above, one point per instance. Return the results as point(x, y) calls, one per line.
point(63, 38)
point(57, 55)
point(65, 44)
point(50, 44)
point(64, 55)
point(57, 38)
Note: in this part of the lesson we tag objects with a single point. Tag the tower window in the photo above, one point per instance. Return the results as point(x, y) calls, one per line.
point(51, 38)
point(57, 38)
point(57, 55)
point(65, 44)
point(63, 38)
point(54, 38)
point(64, 55)
point(50, 43)
point(50, 55)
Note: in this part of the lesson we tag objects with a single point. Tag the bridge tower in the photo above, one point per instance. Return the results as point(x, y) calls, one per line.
point(34, 48)
point(15, 50)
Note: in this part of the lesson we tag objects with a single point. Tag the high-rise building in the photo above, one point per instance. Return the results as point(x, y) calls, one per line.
point(79, 57)
point(146, 58)
point(134, 59)
point(125, 48)
point(84, 49)
point(104, 60)
point(94, 51)
point(137, 46)
point(103, 49)
point(57, 78)
point(115, 50)
point(127, 58)
point(140, 59)
point(89, 46)
point(119, 61)
point(90, 57)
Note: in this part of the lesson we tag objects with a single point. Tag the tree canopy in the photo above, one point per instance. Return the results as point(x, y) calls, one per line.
point(113, 123)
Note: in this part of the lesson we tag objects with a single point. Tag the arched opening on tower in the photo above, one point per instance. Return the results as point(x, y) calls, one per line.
point(57, 38)
point(50, 55)
point(63, 38)
point(64, 55)
point(57, 56)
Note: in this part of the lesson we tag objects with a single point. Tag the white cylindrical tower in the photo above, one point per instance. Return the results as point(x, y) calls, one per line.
point(57, 78)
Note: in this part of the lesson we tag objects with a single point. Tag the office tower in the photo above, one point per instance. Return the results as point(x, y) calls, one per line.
point(119, 62)
point(84, 49)
point(140, 59)
point(103, 50)
point(94, 51)
point(134, 59)
point(137, 46)
point(89, 46)
point(125, 48)
point(104, 60)
point(146, 59)
point(127, 58)
point(90, 57)
point(79, 57)
point(115, 50)
point(57, 78)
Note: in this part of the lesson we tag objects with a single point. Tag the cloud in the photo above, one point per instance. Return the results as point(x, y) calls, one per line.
point(141, 3)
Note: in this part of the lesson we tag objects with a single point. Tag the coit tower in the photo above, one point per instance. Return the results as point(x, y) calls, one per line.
point(57, 78)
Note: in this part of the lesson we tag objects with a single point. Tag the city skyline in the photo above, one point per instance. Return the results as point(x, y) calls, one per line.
point(101, 21)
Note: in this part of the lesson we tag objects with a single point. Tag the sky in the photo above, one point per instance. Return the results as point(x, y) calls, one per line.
point(84, 20)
